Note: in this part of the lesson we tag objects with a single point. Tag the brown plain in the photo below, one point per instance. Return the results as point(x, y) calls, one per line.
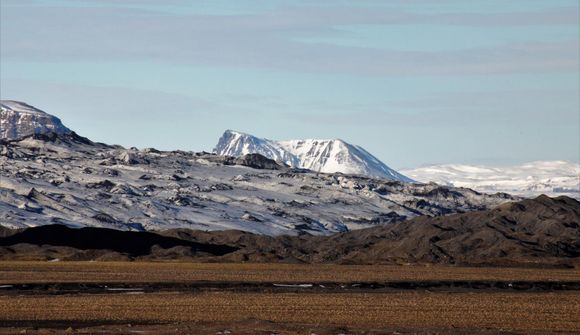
point(209, 312)
point(150, 272)
point(403, 311)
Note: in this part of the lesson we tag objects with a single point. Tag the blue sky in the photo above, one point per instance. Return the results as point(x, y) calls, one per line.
point(415, 82)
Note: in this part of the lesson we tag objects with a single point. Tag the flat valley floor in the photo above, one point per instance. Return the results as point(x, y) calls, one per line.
point(211, 298)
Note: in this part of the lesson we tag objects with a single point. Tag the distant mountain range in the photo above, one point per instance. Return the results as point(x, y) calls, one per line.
point(328, 156)
point(18, 119)
point(66, 179)
point(49, 177)
point(552, 178)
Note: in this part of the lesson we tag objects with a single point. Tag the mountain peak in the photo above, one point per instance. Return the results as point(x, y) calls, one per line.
point(19, 119)
point(329, 156)
point(19, 106)
point(234, 132)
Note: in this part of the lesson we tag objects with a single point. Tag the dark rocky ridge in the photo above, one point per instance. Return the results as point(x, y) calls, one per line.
point(258, 161)
point(534, 232)
point(133, 244)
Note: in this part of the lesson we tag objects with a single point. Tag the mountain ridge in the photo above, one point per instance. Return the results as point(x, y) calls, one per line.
point(62, 179)
point(540, 232)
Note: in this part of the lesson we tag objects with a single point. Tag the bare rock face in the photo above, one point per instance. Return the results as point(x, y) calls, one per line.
point(18, 120)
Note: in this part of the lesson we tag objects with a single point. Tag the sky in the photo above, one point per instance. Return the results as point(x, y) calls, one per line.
point(415, 82)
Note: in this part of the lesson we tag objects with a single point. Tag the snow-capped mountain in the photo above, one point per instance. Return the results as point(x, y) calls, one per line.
point(68, 179)
point(542, 177)
point(328, 156)
point(18, 119)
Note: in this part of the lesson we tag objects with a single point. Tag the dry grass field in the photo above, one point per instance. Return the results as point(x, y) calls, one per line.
point(321, 313)
point(135, 272)
point(303, 311)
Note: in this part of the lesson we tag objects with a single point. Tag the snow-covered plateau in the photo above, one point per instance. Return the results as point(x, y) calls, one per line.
point(552, 178)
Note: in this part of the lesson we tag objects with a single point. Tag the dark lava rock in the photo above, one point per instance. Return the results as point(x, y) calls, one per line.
point(131, 243)
point(103, 217)
point(105, 184)
point(257, 161)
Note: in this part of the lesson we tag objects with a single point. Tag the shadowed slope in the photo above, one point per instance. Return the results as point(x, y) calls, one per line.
point(527, 231)
point(541, 230)
point(132, 243)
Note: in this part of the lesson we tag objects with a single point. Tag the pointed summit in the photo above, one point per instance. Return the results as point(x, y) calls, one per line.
point(18, 119)
point(236, 144)
point(327, 156)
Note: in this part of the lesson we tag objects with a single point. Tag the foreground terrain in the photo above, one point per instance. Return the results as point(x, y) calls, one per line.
point(139, 297)
point(182, 272)
point(291, 313)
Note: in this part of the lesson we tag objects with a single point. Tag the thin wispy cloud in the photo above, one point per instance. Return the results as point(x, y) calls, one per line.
point(267, 40)
point(367, 71)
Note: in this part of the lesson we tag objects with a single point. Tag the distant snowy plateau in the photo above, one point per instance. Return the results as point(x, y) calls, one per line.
point(49, 174)
point(552, 178)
